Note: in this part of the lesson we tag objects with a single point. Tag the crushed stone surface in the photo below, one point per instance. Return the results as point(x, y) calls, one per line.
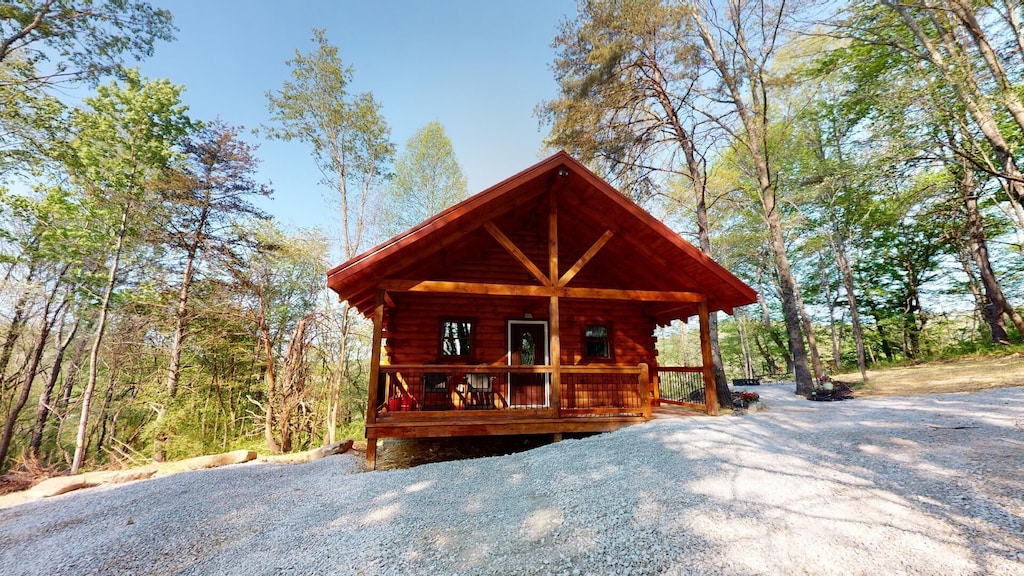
point(910, 485)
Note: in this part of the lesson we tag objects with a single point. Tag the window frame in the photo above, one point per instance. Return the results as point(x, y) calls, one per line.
point(452, 358)
point(608, 340)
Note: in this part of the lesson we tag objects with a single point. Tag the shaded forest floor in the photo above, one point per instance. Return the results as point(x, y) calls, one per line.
point(940, 377)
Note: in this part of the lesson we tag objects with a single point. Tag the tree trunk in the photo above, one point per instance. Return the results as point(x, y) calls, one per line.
point(770, 366)
point(826, 287)
point(704, 236)
point(745, 71)
point(71, 375)
point(271, 375)
point(846, 272)
point(790, 308)
point(963, 255)
point(812, 340)
point(181, 312)
point(108, 398)
point(16, 326)
point(31, 369)
point(94, 353)
point(884, 341)
point(748, 366)
point(338, 382)
point(43, 409)
point(291, 384)
point(766, 319)
point(978, 245)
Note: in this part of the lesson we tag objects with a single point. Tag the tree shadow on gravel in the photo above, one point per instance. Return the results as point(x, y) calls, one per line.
point(859, 487)
point(901, 477)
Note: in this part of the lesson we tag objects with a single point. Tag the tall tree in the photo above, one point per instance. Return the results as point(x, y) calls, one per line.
point(626, 105)
point(207, 192)
point(46, 240)
point(349, 137)
point(124, 141)
point(351, 147)
point(741, 45)
point(929, 72)
point(282, 276)
point(427, 179)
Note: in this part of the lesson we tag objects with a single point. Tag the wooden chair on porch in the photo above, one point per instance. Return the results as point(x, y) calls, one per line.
point(478, 393)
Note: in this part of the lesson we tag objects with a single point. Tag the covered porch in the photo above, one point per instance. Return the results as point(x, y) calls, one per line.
point(425, 400)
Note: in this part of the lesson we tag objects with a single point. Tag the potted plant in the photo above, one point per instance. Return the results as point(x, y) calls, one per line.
point(745, 399)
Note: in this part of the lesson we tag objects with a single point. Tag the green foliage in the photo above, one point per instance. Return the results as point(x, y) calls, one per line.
point(354, 429)
point(624, 71)
point(427, 179)
point(79, 39)
point(350, 140)
point(124, 137)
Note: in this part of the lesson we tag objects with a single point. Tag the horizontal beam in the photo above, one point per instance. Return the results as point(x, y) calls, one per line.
point(521, 369)
point(442, 287)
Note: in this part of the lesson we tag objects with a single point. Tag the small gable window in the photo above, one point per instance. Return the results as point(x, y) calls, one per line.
point(597, 342)
point(457, 339)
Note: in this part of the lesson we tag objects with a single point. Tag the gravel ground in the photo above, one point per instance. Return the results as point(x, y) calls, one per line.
point(918, 485)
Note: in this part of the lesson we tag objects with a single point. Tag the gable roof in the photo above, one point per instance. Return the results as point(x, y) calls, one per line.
point(643, 252)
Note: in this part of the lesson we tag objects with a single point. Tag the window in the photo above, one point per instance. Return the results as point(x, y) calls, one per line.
point(596, 342)
point(456, 339)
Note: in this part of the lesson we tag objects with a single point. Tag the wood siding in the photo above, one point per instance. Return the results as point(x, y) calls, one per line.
point(412, 327)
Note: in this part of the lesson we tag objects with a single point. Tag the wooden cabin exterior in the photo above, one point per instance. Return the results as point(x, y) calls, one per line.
point(530, 308)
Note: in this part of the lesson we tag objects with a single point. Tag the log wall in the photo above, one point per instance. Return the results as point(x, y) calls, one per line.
point(413, 326)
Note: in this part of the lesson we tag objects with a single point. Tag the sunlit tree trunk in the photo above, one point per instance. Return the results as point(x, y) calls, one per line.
point(826, 287)
point(339, 378)
point(741, 328)
point(978, 246)
point(744, 75)
point(94, 352)
point(812, 339)
point(846, 273)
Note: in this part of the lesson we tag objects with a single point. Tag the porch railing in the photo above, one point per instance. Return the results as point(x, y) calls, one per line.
point(615, 390)
point(585, 390)
point(682, 385)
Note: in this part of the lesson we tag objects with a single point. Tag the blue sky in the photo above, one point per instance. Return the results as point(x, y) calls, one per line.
point(479, 68)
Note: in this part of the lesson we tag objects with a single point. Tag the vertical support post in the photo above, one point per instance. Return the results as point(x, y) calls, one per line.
point(646, 390)
point(372, 399)
point(555, 344)
point(710, 394)
point(556, 357)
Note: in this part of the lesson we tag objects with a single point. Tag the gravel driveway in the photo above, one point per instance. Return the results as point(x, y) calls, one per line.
point(922, 485)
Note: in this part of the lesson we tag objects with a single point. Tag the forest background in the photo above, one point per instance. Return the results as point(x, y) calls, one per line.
point(854, 162)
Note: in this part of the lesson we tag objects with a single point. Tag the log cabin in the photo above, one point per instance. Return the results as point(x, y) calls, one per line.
point(530, 308)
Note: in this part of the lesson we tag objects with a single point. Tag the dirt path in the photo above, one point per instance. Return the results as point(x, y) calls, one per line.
point(963, 375)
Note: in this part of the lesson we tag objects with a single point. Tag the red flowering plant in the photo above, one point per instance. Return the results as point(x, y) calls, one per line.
point(749, 397)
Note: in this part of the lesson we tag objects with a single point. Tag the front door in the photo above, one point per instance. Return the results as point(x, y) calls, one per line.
point(528, 346)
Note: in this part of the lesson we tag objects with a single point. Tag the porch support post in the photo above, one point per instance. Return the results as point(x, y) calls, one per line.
point(710, 395)
point(556, 357)
point(372, 399)
point(646, 390)
point(555, 344)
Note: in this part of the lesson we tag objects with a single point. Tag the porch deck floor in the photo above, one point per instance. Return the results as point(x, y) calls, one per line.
point(668, 411)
